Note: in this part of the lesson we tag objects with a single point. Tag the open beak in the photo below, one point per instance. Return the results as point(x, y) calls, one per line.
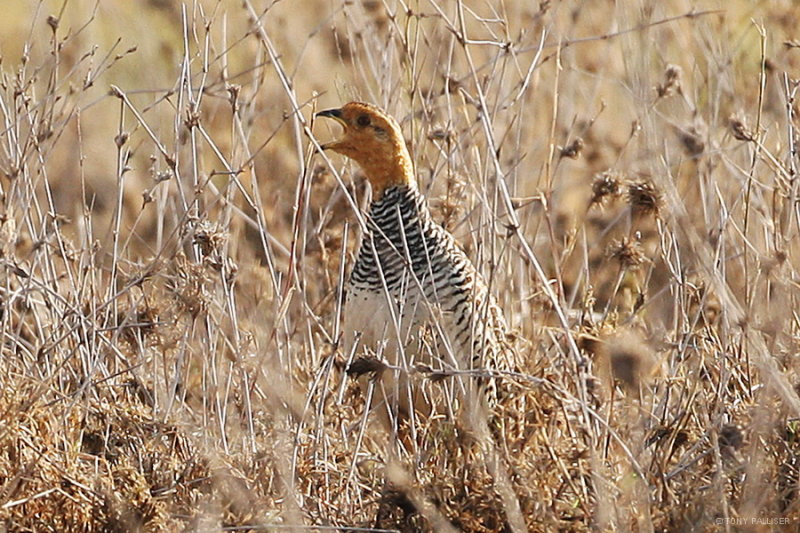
point(335, 114)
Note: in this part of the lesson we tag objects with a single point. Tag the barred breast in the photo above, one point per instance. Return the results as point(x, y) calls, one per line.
point(414, 297)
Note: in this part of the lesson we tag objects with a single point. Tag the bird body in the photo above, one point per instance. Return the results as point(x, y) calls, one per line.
point(413, 296)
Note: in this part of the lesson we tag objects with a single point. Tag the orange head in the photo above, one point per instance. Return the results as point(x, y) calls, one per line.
point(373, 140)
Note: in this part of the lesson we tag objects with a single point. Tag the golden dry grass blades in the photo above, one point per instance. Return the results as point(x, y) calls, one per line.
point(174, 250)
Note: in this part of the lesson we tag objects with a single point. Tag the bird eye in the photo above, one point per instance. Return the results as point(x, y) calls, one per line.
point(363, 120)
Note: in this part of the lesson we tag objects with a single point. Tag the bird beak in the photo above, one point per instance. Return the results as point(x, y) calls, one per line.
point(335, 114)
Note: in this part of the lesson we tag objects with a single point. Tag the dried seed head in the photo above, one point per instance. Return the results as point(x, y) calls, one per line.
point(121, 139)
point(431, 374)
point(692, 140)
point(628, 253)
point(210, 238)
point(189, 286)
point(147, 197)
point(672, 81)
point(573, 150)
point(605, 184)
point(164, 175)
point(52, 21)
point(366, 365)
point(740, 130)
point(644, 198)
point(233, 94)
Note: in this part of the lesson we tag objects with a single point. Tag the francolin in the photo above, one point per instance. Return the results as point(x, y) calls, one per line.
point(413, 296)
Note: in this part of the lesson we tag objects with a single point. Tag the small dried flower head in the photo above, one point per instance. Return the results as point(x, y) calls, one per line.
point(628, 253)
point(147, 197)
point(210, 238)
point(605, 184)
point(189, 286)
point(366, 365)
point(643, 198)
point(52, 21)
point(672, 81)
point(740, 130)
point(692, 140)
point(121, 139)
point(573, 150)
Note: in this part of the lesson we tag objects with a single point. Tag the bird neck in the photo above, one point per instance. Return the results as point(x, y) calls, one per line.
point(385, 171)
point(403, 200)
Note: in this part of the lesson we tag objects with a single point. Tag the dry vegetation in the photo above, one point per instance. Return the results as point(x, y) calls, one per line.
point(625, 174)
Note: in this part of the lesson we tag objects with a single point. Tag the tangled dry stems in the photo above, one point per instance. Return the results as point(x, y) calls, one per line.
point(173, 249)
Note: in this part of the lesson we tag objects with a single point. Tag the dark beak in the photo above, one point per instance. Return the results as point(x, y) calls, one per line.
point(335, 114)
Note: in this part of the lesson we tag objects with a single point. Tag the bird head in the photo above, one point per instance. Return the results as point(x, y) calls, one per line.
point(374, 140)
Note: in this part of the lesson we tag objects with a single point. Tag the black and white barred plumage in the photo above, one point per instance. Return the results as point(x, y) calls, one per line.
point(414, 298)
point(410, 275)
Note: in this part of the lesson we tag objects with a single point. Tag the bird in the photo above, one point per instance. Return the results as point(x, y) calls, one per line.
point(413, 296)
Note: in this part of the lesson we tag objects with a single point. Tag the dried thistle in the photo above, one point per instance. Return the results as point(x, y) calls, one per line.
point(573, 150)
point(606, 184)
point(692, 140)
point(366, 365)
point(210, 238)
point(628, 253)
point(644, 198)
point(190, 286)
point(739, 129)
point(671, 83)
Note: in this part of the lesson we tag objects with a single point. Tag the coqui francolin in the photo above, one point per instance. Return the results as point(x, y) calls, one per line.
point(414, 297)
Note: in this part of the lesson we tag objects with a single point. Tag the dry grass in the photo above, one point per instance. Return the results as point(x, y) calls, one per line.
point(171, 263)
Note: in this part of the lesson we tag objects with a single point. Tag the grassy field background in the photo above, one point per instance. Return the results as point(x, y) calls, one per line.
point(172, 252)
